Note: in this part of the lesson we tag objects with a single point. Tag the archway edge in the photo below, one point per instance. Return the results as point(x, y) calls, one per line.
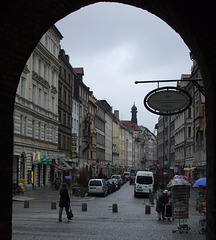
point(24, 22)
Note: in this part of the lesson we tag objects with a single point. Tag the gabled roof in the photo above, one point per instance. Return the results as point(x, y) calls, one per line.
point(132, 126)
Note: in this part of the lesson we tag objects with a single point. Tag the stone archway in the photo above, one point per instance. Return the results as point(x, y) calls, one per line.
point(24, 22)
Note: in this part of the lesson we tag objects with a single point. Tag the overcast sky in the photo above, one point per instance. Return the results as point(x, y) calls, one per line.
point(118, 44)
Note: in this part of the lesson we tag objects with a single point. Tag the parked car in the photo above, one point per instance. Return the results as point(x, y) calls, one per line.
point(112, 185)
point(117, 183)
point(132, 180)
point(97, 187)
point(127, 175)
point(118, 177)
point(124, 180)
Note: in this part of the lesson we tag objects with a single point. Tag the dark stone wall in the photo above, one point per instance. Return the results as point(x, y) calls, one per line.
point(24, 22)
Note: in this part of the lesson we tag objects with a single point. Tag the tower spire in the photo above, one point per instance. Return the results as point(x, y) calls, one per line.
point(134, 114)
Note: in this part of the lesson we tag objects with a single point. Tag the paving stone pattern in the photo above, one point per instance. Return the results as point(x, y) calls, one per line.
point(40, 222)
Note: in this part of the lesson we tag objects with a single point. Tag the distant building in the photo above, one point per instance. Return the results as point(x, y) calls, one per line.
point(166, 145)
point(81, 93)
point(140, 150)
point(36, 118)
point(190, 129)
point(108, 136)
point(92, 154)
point(100, 136)
point(65, 93)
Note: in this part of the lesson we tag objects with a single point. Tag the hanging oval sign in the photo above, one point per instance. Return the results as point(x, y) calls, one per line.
point(167, 100)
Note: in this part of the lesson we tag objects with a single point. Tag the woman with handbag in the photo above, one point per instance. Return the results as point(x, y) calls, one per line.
point(64, 202)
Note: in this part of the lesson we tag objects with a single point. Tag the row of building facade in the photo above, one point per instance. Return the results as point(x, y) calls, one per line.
point(181, 137)
point(60, 128)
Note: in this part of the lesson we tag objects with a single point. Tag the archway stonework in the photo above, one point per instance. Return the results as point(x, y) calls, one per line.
point(24, 22)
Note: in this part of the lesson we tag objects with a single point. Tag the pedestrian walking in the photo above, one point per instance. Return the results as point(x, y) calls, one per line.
point(161, 203)
point(64, 202)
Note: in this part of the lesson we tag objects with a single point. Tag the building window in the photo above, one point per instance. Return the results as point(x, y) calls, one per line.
point(69, 99)
point(39, 96)
point(74, 107)
point(45, 132)
point(23, 125)
point(189, 132)
point(39, 67)
point(53, 78)
point(68, 143)
point(34, 93)
point(68, 122)
point(74, 123)
point(189, 112)
point(53, 135)
point(59, 140)
point(46, 42)
point(53, 104)
point(34, 62)
point(39, 130)
point(60, 118)
point(64, 96)
point(60, 92)
point(33, 128)
point(64, 119)
point(54, 49)
point(45, 72)
point(45, 100)
point(22, 87)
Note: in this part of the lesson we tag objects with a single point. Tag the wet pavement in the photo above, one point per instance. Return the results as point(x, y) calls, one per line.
point(39, 221)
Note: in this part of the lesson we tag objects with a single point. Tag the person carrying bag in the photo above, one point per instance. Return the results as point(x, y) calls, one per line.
point(70, 213)
point(64, 202)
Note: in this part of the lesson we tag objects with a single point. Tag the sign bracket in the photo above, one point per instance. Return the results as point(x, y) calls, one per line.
point(195, 81)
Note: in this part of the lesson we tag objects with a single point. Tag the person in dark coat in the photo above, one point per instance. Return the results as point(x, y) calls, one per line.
point(161, 203)
point(64, 201)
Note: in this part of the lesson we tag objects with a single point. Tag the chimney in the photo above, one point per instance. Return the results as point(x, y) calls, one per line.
point(116, 113)
point(67, 58)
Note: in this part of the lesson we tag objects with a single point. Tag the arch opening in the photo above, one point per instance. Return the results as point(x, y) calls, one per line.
point(20, 39)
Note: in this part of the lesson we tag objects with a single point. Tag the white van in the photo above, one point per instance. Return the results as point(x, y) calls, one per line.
point(97, 187)
point(144, 181)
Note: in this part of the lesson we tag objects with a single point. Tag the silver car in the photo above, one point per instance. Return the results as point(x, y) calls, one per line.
point(97, 187)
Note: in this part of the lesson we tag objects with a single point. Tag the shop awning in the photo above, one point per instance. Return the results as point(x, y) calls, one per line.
point(61, 168)
point(67, 166)
point(44, 160)
point(189, 169)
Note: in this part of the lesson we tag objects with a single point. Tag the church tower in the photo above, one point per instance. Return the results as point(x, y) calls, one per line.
point(134, 114)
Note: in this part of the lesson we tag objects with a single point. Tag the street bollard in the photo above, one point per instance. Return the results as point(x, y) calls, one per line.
point(53, 205)
point(84, 207)
point(147, 209)
point(26, 204)
point(115, 208)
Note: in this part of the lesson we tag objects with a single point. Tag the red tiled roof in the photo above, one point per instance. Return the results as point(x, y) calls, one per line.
point(131, 126)
point(79, 70)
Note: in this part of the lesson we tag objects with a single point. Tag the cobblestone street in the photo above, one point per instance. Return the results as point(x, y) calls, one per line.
point(39, 221)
